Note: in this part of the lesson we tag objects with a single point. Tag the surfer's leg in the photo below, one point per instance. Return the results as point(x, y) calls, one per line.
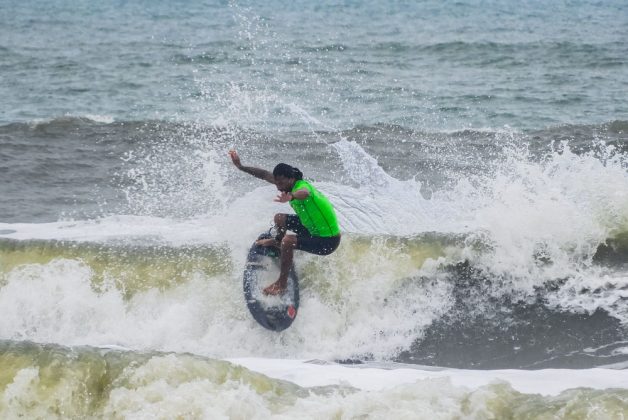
point(318, 245)
point(288, 243)
point(280, 225)
point(281, 222)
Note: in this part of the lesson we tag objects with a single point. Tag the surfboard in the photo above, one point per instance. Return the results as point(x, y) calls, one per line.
point(275, 313)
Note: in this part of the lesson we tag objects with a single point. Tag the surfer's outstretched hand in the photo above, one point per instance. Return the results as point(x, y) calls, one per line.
point(235, 158)
point(283, 197)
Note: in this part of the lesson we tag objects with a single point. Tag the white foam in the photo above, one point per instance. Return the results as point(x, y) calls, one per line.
point(143, 228)
point(339, 315)
point(546, 381)
point(105, 119)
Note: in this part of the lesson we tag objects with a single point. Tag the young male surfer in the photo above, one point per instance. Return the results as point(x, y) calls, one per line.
point(314, 223)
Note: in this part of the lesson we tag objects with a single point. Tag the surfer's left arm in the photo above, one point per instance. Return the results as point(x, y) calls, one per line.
point(301, 194)
point(256, 172)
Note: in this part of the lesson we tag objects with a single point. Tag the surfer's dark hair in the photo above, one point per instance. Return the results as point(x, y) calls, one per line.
point(287, 171)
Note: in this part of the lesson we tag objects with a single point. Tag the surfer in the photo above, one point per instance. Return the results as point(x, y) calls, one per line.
point(315, 223)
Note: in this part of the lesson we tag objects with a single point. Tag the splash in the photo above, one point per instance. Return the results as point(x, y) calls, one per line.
point(530, 225)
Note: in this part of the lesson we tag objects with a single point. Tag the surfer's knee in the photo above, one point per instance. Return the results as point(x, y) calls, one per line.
point(280, 219)
point(289, 241)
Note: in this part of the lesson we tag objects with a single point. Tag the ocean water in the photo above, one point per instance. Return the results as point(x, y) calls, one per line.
point(476, 153)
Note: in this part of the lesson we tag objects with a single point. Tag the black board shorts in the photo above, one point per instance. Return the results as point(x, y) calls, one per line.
point(306, 242)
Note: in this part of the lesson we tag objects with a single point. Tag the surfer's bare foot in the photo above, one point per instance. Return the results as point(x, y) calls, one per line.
point(267, 242)
point(275, 289)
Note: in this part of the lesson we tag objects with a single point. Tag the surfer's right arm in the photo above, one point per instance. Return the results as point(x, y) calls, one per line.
point(256, 172)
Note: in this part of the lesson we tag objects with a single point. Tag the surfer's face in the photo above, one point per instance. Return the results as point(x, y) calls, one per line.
point(283, 183)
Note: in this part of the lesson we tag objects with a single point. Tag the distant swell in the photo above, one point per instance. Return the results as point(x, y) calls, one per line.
point(70, 126)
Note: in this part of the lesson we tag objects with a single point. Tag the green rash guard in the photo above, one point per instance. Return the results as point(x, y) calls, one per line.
point(315, 212)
